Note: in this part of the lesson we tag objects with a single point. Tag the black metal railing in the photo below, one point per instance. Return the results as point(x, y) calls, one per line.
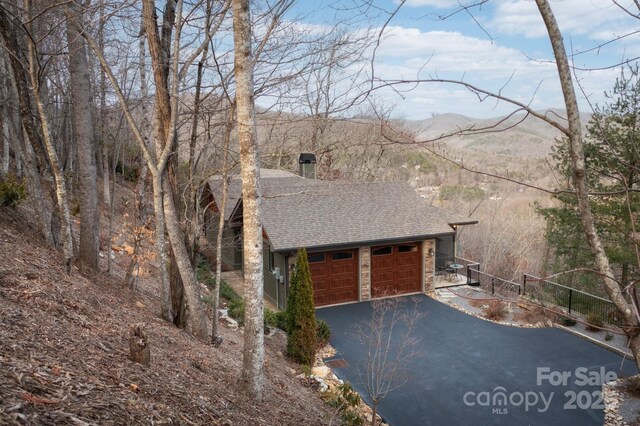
point(542, 291)
point(574, 301)
point(492, 284)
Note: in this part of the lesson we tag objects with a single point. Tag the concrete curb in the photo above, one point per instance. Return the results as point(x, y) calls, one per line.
point(596, 341)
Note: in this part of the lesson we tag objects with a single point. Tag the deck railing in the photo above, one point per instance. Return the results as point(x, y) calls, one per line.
point(542, 291)
point(493, 284)
point(574, 301)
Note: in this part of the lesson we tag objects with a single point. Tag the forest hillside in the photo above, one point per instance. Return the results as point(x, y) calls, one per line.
point(64, 351)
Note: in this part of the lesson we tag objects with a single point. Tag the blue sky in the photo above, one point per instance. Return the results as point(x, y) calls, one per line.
point(506, 50)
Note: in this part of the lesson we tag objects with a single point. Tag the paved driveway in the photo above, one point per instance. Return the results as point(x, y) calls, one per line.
point(467, 367)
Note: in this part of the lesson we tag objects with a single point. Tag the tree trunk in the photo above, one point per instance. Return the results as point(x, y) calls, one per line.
point(52, 155)
point(155, 166)
point(195, 317)
point(158, 208)
point(104, 149)
point(221, 209)
point(4, 117)
point(374, 414)
point(165, 138)
point(21, 77)
point(84, 137)
point(580, 181)
point(253, 356)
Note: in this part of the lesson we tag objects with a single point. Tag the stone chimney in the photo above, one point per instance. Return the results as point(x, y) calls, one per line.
point(307, 165)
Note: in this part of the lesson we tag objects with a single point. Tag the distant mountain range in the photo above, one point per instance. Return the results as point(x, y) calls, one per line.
point(515, 136)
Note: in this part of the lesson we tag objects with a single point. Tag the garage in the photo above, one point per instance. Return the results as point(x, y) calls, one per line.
point(396, 269)
point(335, 276)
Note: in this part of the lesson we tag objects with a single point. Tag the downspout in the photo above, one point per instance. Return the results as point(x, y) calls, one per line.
point(286, 283)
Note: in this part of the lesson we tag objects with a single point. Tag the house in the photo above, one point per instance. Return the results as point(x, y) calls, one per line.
point(364, 239)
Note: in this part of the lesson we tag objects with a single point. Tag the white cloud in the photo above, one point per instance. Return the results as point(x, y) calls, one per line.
point(409, 53)
point(595, 18)
point(451, 52)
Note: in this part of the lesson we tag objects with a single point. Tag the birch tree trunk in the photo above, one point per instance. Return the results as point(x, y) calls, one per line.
point(52, 155)
point(253, 356)
point(580, 181)
point(84, 136)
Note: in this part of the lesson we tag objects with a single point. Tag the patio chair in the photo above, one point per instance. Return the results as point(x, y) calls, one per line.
point(451, 274)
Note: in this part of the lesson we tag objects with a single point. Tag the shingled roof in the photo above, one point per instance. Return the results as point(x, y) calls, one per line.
point(312, 213)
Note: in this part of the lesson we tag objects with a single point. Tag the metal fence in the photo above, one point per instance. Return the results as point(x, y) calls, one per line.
point(544, 292)
point(575, 301)
point(491, 283)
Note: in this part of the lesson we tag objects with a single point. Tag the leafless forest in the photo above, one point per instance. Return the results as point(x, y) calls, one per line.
point(114, 115)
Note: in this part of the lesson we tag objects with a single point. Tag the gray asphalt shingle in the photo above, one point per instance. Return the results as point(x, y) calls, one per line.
point(310, 213)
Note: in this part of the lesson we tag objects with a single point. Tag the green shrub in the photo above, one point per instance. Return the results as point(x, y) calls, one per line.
point(301, 314)
point(594, 323)
point(236, 310)
point(203, 269)
point(567, 322)
point(281, 320)
point(270, 318)
point(609, 336)
point(323, 333)
point(13, 191)
point(227, 293)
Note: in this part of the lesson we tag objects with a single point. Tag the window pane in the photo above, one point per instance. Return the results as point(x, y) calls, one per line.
point(316, 257)
point(341, 255)
point(407, 248)
point(382, 251)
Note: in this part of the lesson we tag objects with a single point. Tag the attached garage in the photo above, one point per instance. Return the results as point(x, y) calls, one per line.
point(335, 276)
point(396, 269)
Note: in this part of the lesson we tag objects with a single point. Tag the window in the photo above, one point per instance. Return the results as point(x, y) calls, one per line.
point(341, 255)
point(381, 251)
point(315, 257)
point(272, 262)
point(406, 248)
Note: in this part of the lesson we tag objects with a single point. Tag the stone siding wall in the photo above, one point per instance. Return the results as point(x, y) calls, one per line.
point(429, 265)
point(365, 273)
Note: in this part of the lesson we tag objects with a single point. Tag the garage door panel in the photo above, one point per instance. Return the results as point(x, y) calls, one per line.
point(335, 276)
point(396, 270)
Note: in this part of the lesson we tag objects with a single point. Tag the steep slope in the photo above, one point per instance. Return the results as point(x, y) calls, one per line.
point(64, 353)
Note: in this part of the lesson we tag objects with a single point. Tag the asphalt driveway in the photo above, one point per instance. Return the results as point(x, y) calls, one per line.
point(469, 371)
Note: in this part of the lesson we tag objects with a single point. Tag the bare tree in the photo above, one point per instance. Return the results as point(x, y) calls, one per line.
point(253, 356)
point(215, 338)
point(388, 336)
point(81, 107)
point(32, 152)
point(52, 155)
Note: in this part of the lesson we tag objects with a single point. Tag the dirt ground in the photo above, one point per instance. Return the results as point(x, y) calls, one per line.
point(64, 356)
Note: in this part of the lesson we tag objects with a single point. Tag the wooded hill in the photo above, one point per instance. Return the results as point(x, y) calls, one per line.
point(64, 351)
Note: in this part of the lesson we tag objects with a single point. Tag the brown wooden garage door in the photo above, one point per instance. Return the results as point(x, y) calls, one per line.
point(396, 269)
point(335, 276)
